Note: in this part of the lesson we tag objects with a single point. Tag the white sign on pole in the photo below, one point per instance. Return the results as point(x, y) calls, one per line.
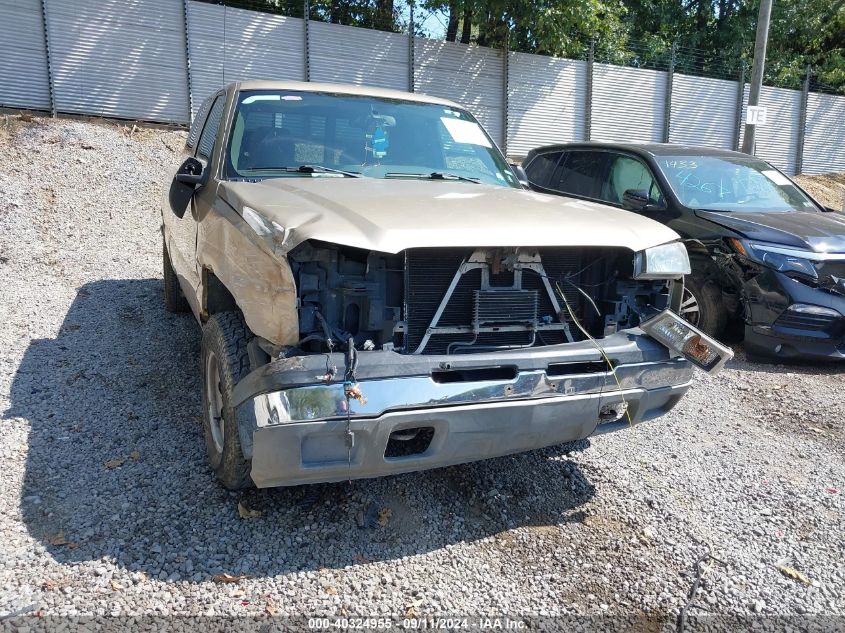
point(755, 115)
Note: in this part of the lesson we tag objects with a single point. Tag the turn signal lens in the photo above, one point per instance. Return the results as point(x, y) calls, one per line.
point(738, 247)
point(681, 337)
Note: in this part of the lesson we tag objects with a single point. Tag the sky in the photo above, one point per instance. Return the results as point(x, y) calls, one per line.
point(433, 22)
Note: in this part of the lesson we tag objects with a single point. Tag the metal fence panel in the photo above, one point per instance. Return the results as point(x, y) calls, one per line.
point(127, 59)
point(628, 104)
point(824, 143)
point(227, 45)
point(119, 58)
point(703, 111)
point(777, 141)
point(346, 54)
point(24, 81)
point(546, 101)
point(469, 75)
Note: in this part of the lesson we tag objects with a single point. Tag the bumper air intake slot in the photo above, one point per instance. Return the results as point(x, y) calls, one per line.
point(567, 369)
point(474, 375)
point(408, 442)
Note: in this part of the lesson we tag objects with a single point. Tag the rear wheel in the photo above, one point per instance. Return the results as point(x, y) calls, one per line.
point(224, 361)
point(174, 298)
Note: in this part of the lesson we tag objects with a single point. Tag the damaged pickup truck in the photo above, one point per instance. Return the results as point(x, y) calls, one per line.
point(380, 294)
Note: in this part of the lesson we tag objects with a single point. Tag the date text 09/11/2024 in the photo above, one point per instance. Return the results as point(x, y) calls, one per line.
point(434, 623)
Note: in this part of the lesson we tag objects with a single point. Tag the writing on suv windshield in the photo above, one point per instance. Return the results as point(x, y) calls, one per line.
point(293, 134)
point(720, 183)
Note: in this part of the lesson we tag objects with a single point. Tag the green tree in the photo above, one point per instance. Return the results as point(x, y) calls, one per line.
point(553, 27)
point(374, 14)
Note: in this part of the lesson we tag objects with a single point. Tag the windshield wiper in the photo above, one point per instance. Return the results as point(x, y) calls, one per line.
point(310, 169)
point(435, 175)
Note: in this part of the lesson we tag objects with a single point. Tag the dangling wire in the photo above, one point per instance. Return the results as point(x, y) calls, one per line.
point(351, 391)
point(599, 348)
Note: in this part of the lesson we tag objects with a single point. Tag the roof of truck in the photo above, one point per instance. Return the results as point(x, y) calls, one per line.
point(346, 89)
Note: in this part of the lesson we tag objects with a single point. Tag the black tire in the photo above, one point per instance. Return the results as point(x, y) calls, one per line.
point(174, 298)
point(701, 303)
point(223, 362)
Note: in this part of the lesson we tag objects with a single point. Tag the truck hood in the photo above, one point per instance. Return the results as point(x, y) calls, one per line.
point(823, 232)
point(393, 215)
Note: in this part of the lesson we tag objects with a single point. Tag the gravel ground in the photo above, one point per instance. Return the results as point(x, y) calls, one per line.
point(107, 506)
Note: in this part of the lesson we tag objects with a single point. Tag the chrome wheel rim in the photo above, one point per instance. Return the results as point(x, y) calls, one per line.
point(215, 401)
point(690, 309)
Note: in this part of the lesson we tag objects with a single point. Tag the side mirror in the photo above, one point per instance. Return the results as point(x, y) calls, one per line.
point(190, 176)
point(637, 200)
point(521, 176)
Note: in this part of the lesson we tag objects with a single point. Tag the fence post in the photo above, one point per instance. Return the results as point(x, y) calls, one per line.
point(670, 78)
point(802, 121)
point(411, 48)
point(188, 62)
point(588, 101)
point(740, 94)
point(306, 42)
point(49, 60)
point(505, 96)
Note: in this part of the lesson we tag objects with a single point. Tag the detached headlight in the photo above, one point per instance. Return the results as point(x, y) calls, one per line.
point(662, 262)
point(779, 258)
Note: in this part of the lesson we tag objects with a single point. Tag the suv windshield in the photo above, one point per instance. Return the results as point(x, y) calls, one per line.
point(276, 133)
point(720, 183)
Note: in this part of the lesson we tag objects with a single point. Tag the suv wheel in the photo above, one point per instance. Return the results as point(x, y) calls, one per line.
point(701, 304)
point(224, 361)
point(174, 298)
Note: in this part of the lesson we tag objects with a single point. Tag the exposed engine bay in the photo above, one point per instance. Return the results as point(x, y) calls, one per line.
point(467, 300)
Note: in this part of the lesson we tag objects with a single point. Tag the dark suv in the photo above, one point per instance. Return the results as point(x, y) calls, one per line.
point(761, 249)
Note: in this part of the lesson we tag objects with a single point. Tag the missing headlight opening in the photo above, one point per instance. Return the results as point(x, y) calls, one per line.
point(468, 300)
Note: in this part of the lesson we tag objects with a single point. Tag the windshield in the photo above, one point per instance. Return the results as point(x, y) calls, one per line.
point(721, 183)
point(359, 135)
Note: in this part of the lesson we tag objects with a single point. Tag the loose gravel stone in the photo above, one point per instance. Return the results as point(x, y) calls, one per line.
point(107, 505)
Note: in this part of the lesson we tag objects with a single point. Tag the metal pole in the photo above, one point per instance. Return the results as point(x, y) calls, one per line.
point(505, 97)
point(670, 79)
point(802, 122)
point(757, 71)
point(50, 83)
point(740, 97)
point(305, 13)
point(411, 48)
point(188, 62)
point(588, 102)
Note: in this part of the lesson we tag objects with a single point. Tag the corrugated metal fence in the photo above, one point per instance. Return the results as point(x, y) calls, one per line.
point(157, 60)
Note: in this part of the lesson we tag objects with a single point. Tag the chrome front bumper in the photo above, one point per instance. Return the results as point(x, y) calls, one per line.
point(476, 406)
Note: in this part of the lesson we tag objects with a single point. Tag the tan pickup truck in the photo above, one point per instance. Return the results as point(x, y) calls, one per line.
point(379, 293)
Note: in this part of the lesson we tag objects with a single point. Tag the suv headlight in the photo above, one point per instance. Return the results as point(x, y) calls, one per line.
point(779, 258)
point(662, 262)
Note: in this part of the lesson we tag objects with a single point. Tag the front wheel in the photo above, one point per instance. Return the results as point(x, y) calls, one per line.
point(701, 305)
point(224, 361)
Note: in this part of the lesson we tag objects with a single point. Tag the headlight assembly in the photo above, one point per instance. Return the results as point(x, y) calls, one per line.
point(666, 261)
point(779, 258)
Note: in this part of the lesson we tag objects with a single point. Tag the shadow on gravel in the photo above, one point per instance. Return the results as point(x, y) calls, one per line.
point(116, 466)
point(779, 366)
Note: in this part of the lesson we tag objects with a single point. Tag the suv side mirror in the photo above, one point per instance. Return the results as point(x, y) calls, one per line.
point(521, 176)
point(637, 200)
point(190, 176)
